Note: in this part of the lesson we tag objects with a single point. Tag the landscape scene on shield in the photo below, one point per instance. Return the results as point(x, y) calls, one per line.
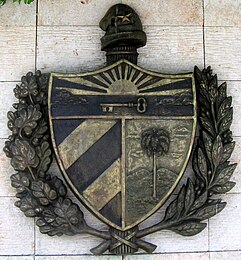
point(156, 151)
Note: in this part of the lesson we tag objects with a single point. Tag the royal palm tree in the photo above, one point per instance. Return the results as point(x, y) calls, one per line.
point(155, 142)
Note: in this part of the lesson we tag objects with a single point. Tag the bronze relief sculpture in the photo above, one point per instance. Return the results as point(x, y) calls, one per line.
point(122, 137)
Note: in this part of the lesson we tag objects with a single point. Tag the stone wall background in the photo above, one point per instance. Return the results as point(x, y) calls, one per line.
point(64, 37)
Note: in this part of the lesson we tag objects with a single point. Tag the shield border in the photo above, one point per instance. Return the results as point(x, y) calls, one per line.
point(63, 172)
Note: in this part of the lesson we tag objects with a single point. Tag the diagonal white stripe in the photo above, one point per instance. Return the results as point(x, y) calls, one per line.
point(106, 187)
point(82, 138)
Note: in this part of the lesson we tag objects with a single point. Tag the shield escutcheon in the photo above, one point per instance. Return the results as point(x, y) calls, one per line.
point(122, 137)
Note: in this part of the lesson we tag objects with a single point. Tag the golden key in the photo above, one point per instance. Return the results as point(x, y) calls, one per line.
point(141, 106)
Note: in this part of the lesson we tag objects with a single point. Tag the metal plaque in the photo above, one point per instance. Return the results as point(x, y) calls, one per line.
point(122, 137)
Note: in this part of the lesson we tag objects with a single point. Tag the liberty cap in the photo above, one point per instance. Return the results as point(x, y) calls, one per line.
point(123, 27)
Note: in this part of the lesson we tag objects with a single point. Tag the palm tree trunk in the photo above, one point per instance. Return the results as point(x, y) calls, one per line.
point(154, 175)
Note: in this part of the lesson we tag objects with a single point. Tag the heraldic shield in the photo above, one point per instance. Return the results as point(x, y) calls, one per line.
point(122, 137)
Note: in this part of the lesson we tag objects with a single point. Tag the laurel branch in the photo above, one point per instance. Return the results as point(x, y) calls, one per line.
point(44, 196)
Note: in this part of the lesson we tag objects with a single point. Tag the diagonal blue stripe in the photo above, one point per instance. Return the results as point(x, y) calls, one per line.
point(113, 210)
point(63, 128)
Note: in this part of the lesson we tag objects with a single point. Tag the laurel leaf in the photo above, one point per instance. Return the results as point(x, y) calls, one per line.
point(226, 122)
point(224, 108)
point(189, 228)
point(208, 145)
point(223, 90)
point(189, 196)
point(198, 74)
point(222, 95)
point(213, 84)
point(200, 201)
point(195, 166)
point(204, 95)
point(207, 125)
point(225, 174)
point(202, 164)
point(217, 151)
point(221, 189)
point(213, 88)
point(171, 210)
point(227, 151)
point(209, 211)
point(181, 201)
